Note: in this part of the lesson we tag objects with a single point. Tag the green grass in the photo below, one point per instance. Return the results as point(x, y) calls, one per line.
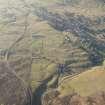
point(40, 71)
point(86, 83)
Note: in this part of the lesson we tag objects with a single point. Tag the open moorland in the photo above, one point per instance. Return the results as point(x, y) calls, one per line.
point(52, 46)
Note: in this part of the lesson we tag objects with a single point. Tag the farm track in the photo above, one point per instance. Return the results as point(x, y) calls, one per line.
point(26, 87)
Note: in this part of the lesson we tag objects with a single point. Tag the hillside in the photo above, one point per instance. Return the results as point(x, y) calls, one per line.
point(86, 83)
point(83, 89)
point(53, 44)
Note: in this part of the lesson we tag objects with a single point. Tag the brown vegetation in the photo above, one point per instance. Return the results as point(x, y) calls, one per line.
point(12, 89)
point(73, 99)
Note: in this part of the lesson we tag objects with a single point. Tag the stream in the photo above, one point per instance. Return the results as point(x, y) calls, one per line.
point(41, 89)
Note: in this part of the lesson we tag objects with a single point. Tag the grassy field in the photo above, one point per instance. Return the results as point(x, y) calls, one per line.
point(40, 71)
point(86, 83)
point(46, 46)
